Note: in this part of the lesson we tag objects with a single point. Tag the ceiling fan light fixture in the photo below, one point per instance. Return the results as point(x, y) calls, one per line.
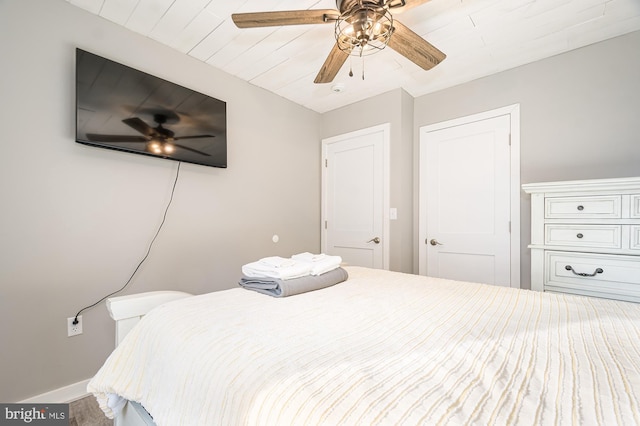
point(155, 147)
point(361, 27)
point(363, 30)
point(160, 147)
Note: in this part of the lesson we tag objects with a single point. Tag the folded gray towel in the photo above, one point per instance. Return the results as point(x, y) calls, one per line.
point(281, 288)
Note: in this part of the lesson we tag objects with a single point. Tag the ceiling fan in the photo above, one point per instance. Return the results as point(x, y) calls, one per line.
point(159, 139)
point(361, 27)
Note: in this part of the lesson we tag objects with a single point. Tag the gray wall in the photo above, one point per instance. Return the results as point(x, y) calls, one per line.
point(398, 111)
point(75, 220)
point(579, 115)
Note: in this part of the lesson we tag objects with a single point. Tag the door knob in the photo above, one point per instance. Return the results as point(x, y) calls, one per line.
point(374, 240)
point(435, 242)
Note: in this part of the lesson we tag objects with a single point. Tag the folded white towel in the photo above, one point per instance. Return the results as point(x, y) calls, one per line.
point(277, 262)
point(276, 267)
point(309, 257)
point(320, 263)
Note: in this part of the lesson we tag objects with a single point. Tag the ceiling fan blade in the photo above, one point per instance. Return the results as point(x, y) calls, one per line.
point(115, 138)
point(415, 48)
point(287, 17)
point(192, 150)
point(139, 126)
point(331, 65)
point(193, 137)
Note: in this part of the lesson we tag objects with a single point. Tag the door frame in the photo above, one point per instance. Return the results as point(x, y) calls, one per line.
point(513, 111)
point(386, 132)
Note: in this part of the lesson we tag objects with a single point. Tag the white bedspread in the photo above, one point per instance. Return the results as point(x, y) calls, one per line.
point(383, 348)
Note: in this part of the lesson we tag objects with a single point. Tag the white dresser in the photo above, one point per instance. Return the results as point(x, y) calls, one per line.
point(585, 237)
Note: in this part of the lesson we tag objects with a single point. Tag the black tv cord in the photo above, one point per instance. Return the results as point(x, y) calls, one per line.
point(164, 218)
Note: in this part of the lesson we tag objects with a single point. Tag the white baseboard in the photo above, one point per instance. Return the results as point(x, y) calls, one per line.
point(61, 395)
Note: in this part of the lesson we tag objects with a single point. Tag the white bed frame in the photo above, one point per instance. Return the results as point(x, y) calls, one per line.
point(127, 311)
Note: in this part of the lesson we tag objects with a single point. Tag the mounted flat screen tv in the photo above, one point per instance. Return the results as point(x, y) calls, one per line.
point(118, 107)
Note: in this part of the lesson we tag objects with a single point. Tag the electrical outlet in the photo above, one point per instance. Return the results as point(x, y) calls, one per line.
point(74, 329)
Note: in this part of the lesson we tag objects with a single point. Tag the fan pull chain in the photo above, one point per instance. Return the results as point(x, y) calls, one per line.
point(362, 56)
point(351, 64)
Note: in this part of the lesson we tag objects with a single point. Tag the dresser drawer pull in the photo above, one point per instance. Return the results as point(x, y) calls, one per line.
point(584, 274)
point(580, 208)
point(579, 235)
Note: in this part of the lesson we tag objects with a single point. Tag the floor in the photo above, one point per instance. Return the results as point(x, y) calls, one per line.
point(86, 412)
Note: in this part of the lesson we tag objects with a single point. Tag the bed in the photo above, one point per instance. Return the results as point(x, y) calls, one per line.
point(381, 348)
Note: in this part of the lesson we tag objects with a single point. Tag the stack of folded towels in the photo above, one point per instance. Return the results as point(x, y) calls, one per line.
point(279, 276)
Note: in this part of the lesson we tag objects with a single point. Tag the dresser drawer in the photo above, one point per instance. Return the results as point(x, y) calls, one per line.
point(634, 241)
point(600, 275)
point(597, 236)
point(635, 206)
point(607, 207)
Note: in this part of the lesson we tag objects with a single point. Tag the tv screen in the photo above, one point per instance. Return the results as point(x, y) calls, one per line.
point(118, 107)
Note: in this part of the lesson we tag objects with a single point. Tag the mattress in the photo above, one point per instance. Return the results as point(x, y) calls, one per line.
point(382, 348)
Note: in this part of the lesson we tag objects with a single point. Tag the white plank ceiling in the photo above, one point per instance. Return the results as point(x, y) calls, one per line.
point(480, 37)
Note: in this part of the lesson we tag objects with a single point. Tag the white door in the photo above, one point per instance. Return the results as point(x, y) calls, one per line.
point(355, 197)
point(467, 204)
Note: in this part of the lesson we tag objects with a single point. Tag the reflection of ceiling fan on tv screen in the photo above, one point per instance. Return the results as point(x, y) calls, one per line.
point(159, 140)
point(124, 109)
point(361, 27)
